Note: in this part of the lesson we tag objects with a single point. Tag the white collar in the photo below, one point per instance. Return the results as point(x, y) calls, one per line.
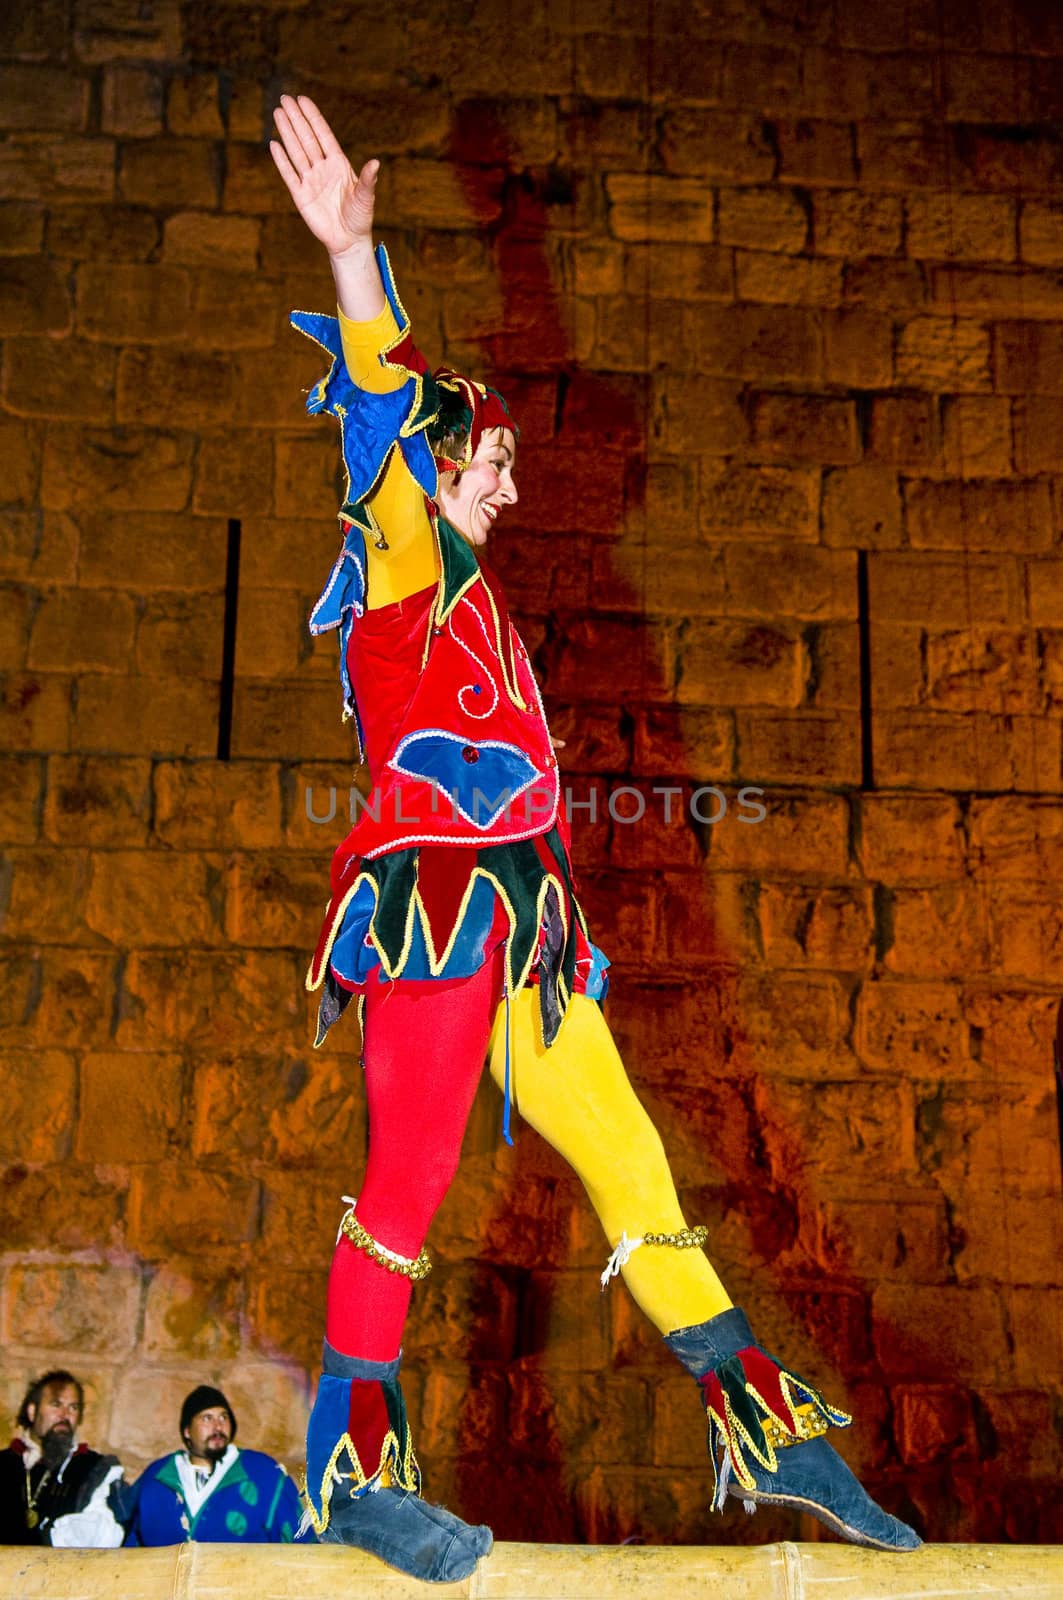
point(195, 1493)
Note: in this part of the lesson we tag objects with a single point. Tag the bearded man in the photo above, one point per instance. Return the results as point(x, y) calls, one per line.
point(211, 1491)
point(53, 1489)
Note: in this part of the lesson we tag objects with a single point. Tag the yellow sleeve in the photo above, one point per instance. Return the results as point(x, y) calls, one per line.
point(409, 562)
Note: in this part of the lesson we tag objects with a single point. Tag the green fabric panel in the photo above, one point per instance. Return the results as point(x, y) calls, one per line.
point(459, 563)
point(395, 876)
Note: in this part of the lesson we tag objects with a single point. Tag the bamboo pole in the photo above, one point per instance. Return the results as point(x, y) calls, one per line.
point(817, 1571)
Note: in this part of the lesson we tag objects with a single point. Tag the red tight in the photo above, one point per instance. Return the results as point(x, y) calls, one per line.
point(425, 1046)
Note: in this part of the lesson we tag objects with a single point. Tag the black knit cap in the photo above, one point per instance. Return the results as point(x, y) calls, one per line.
point(205, 1399)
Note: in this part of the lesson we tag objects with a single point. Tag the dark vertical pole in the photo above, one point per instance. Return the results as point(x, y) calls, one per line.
point(863, 603)
point(1058, 1053)
point(228, 648)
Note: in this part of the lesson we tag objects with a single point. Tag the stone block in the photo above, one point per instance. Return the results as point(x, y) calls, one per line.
point(215, 1002)
point(981, 1137)
point(740, 664)
point(787, 279)
point(1016, 838)
point(816, 152)
point(761, 502)
point(601, 658)
point(805, 428)
point(759, 219)
point(206, 804)
point(41, 98)
point(56, 167)
point(899, 1239)
point(900, 287)
point(202, 238)
point(966, 750)
point(21, 228)
point(304, 1110)
point(1005, 1239)
point(38, 547)
point(848, 1138)
point(71, 996)
point(818, 927)
point(97, 800)
point(1027, 358)
point(936, 933)
point(904, 155)
point(776, 344)
point(192, 108)
point(82, 1308)
point(129, 1107)
point(802, 747)
point(934, 1422)
point(945, 354)
point(105, 31)
point(126, 302)
point(291, 722)
point(83, 1212)
point(126, 469)
point(804, 835)
point(903, 430)
point(850, 223)
point(299, 1220)
point(34, 298)
point(980, 227)
point(286, 1312)
point(40, 1093)
point(21, 799)
point(142, 716)
point(82, 630)
point(165, 550)
point(942, 590)
point(711, 144)
point(996, 292)
point(941, 1327)
point(466, 1313)
point(979, 515)
point(131, 102)
point(862, 508)
point(44, 889)
point(858, 348)
point(169, 172)
point(681, 742)
point(192, 1315)
point(307, 477)
point(983, 670)
point(1038, 424)
point(181, 634)
point(177, 1209)
point(910, 839)
point(915, 1029)
point(35, 711)
point(1041, 233)
point(102, 233)
point(59, 379)
point(156, 898)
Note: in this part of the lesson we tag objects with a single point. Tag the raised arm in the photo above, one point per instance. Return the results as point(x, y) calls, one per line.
point(337, 206)
point(334, 201)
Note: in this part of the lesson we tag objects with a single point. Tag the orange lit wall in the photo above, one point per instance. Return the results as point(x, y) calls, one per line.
point(771, 283)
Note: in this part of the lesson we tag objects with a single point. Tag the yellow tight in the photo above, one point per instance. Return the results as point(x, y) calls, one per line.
point(577, 1095)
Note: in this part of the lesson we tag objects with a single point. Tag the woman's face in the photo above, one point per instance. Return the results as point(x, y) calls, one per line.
point(471, 500)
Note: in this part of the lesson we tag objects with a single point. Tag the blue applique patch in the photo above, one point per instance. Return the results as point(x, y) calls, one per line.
point(479, 778)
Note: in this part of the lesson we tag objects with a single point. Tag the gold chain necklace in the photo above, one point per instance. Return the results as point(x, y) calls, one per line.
point(32, 1496)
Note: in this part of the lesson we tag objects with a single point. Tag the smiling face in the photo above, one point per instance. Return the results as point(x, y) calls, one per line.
point(207, 1436)
point(472, 500)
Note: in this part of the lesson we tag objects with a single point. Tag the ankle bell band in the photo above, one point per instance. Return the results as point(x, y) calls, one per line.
point(682, 1239)
point(351, 1229)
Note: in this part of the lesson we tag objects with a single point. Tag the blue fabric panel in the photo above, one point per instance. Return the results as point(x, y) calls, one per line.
point(482, 777)
point(328, 1422)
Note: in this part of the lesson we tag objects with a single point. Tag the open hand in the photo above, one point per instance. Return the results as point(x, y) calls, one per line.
point(335, 202)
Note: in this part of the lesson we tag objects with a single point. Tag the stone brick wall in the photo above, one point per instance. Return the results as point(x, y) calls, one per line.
point(771, 283)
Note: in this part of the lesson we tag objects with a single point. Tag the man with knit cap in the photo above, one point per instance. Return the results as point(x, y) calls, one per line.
point(210, 1491)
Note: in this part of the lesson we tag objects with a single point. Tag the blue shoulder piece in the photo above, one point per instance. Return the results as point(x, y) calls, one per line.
point(341, 601)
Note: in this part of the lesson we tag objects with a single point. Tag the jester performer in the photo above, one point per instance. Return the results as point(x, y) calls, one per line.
point(454, 924)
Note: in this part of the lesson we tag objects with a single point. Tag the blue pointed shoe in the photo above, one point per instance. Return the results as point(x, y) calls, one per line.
point(363, 1482)
point(766, 1428)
